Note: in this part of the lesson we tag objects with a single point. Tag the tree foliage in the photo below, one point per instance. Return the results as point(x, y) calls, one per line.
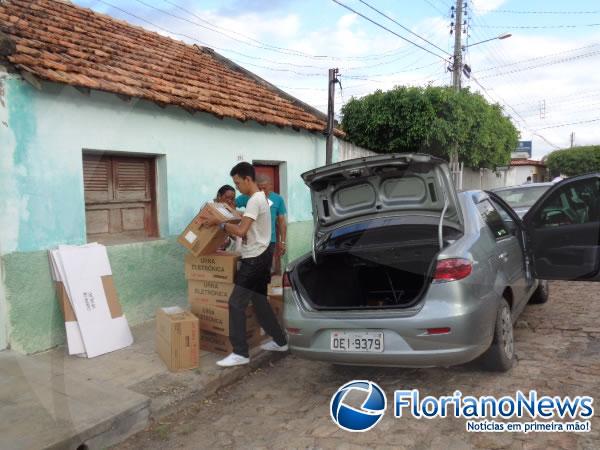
point(432, 120)
point(574, 161)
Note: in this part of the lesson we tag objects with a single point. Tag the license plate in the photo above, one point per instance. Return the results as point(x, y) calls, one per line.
point(364, 341)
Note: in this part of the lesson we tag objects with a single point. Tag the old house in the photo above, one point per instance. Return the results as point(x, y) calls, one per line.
point(112, 133)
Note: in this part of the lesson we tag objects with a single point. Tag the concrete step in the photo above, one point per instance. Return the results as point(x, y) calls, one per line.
point(43, 406)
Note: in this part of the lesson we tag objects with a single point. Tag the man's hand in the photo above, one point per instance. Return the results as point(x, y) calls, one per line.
point(280, 248)
point(208, 221)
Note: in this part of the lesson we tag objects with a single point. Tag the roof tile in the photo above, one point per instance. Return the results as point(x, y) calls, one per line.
point(64, 43)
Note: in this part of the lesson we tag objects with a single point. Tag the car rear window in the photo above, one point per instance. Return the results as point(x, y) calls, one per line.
point(522, 197)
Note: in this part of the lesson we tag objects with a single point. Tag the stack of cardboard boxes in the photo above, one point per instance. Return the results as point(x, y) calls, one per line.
point(275, 296)
point(210, 274)
point(210, 283)
point(178, 332)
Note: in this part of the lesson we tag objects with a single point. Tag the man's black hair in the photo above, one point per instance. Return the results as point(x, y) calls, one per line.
point(244, 170)
point(224, 189)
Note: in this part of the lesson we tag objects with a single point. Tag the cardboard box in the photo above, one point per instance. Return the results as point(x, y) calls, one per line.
point(277, 305)
point(204, 240)
point(216, 318)
point(177, 338)
point(210, 292)
point(274, 291)
point(217, 343)
point(87, 294)
point(216, 267)
point(112, 299)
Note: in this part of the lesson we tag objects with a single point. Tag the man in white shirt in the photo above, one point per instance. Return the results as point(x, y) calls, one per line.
point(255, 270)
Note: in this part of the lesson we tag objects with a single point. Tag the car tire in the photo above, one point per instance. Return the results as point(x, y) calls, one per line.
point(541, 294)
point(500, 356)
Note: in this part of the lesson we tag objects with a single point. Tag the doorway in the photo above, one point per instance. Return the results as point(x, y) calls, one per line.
point(271, 171)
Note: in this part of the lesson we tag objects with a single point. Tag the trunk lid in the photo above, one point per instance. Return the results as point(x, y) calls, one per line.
point(380, 186)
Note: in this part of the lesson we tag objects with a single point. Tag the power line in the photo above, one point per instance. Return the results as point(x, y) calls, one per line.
point(535, 27)
point(550, 63)
point(536, 58)
point(403, 27)
point(524, 122)
point(435, 7)
point(387, 29)
point(263, 46)
point(569, 124)
point(272, 47)
point(513, 11)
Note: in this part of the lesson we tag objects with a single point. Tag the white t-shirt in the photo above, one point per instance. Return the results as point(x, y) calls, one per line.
point(258, 237)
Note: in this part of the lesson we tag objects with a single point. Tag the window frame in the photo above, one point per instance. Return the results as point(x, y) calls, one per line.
point(116, 201)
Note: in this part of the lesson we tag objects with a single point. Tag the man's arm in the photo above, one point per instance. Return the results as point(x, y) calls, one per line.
point(281, 227)
point(240, 229)
point(282, 232)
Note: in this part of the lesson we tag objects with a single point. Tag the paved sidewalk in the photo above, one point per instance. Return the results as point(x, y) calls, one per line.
point(52, 400)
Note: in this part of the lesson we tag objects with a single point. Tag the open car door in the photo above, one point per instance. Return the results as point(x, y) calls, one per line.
point(563, 230)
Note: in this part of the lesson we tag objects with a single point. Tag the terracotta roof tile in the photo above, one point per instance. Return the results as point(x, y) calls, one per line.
point(64, 43)
point(526, 162)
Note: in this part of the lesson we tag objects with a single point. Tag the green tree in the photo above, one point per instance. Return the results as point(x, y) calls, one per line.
point(574, 161)
point(432, 120)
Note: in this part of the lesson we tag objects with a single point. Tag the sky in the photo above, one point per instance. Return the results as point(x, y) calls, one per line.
point(544, 75)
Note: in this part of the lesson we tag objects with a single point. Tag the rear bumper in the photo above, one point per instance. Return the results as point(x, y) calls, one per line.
point(411, 358)
point(406, 342)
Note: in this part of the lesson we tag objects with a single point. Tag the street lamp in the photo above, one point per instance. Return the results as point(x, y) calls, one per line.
point(459, 67)
point(502, 36)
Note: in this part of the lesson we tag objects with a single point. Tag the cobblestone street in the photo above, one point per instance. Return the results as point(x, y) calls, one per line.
point(286, 405)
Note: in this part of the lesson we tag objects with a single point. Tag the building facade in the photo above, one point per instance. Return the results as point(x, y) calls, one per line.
point(82, 161)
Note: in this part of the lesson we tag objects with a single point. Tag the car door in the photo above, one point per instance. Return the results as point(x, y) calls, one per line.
point(508, 257)
point(563, 230)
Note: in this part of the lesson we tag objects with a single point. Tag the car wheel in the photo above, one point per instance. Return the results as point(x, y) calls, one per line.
point(541, 294)
point(501, 354)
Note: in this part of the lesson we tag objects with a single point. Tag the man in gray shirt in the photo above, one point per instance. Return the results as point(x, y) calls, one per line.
point(255, 270)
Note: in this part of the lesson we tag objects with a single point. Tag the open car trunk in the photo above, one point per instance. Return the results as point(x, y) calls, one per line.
point(375, 268)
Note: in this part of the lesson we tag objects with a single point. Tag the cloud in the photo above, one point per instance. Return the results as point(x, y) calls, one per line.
point(242, 7)
point(485, 6)
point(557, 89)
point(370, 58)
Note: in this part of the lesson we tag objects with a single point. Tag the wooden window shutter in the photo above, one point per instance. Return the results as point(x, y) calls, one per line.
point(97, 179)
point(132, 179)
point(120, 198)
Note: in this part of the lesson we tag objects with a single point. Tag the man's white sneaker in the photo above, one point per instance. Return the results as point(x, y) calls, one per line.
point(233, 360)
point(272, 346)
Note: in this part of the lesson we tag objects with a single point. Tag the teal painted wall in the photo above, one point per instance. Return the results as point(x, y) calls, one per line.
point(42, 203)
point(147, 275)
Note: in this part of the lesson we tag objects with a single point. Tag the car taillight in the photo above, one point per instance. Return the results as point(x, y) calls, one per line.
point(443, 330)
point(285, 281)
point(452, 269)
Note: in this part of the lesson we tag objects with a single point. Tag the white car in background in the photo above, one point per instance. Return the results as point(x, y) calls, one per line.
point(521, 198)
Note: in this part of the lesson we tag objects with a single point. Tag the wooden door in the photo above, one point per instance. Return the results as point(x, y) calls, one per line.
point(270, 171)
point(273, 173)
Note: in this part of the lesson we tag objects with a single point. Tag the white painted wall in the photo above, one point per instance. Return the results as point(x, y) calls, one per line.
point(518, 175)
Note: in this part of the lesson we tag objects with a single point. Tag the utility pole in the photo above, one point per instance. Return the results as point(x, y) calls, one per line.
point(572, 139)
point(330, 115)
point(457, 60)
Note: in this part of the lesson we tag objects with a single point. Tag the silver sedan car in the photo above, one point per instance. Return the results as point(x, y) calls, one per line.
point(522, 197)
point(404, 271)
